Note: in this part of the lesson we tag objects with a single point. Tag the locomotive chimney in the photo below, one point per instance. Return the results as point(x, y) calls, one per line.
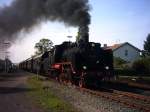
point(83, 34)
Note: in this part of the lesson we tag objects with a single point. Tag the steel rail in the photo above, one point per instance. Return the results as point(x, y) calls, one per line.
point(115, 97)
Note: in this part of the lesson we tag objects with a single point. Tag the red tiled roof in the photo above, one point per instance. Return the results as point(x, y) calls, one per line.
point(116, 46)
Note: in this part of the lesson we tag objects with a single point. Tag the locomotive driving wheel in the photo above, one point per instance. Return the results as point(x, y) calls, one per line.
point(81, 83)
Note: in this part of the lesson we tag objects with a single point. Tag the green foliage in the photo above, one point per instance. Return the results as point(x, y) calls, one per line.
point(43, 45)
point(119, 63)
point(147, 44)
point(78, 37)
point(142, 65)
point(125, 72)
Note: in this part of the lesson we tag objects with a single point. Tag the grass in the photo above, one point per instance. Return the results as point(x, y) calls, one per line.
point(46, 98)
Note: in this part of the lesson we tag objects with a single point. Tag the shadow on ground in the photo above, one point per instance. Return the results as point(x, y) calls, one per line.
point(5, 79)
point(15, 74)
point(12, 90)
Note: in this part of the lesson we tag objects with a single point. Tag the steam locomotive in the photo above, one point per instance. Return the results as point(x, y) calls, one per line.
point(83, 63)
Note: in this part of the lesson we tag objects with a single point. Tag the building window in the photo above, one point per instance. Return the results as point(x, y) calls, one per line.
point(126, 52)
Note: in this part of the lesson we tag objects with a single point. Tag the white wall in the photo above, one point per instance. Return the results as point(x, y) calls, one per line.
point(133, 54)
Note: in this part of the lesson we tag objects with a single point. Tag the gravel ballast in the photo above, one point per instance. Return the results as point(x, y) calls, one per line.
point(84, 101)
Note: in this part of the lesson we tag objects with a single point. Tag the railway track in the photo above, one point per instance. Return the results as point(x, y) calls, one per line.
point(130, 100)
point(134, 96)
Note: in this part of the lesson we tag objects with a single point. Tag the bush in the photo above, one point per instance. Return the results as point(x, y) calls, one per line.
point(119, 63)
point(142, 66)
point(125, 72)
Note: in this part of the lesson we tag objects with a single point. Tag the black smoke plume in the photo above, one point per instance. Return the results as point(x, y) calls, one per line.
point(24, 14)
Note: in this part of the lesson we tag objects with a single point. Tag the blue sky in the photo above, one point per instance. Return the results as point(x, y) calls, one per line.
point(5, 2)
point(121, 20)
point(113, 21)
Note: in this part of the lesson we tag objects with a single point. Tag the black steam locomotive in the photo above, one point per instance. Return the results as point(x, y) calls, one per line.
point(83, 63)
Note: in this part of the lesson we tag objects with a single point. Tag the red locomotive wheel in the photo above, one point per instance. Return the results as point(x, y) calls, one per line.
point(81, 84)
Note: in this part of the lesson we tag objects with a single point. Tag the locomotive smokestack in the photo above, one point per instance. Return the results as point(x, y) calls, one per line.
point(83, 34)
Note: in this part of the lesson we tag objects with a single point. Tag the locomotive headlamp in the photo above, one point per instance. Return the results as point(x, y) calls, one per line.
point(97, 61)
point(84, 67)
point(107, 67)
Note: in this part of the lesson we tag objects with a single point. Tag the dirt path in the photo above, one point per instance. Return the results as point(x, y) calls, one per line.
point(13, 93)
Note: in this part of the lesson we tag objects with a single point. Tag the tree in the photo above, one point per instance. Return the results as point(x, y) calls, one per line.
point(147, 44)
point(43, 45)
point(142, 65)
point(78, 37)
